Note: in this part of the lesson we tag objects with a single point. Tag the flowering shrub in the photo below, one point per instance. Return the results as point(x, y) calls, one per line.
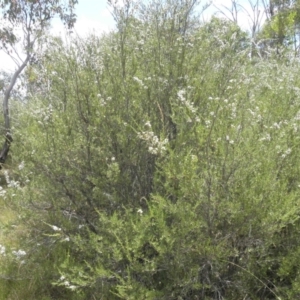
point(160, 163)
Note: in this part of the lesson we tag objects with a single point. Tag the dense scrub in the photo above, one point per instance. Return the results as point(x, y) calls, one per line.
point(159, 161)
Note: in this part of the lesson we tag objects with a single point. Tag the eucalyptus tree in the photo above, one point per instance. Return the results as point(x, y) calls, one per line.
point(282, 23)
point(23, 24)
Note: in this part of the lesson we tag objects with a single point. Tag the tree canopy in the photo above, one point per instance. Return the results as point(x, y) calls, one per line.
point(32, 18)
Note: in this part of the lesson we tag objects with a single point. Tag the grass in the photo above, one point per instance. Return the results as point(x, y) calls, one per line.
point(10, 237)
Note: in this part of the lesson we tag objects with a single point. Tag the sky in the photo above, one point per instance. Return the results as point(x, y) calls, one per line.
point(92, 15)
point(95, 16)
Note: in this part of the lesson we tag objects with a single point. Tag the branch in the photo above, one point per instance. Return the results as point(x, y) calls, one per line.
point(9, 89)
point(233, 11)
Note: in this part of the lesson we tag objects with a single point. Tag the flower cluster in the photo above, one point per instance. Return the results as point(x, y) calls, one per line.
point(2, 192)
point(67, 284)
point(44, 115)
point(155, 145)
point(183, 99)
point(103, 100)
point(10, 182)
point(286, 153)
point(2, 250)
point(55, 228)
point(47, 113)
point(21, 165)
point(140, 82)
point(19, 254)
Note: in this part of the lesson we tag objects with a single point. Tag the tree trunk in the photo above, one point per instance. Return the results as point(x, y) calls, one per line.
point(8, 136)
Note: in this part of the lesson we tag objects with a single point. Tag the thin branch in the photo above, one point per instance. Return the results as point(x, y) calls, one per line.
point(233, 11)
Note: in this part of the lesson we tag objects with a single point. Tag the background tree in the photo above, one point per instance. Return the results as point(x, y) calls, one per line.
point(31, 18)
point(282, 25)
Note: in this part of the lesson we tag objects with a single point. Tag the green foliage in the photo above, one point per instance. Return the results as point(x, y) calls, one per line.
point(156, 162)
point(282, 25)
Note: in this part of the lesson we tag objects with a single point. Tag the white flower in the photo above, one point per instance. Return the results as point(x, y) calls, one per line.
point(297, 117)
point(55, 228)
point(139, 81)
point(287, 152)
point(155, 145)
point(165, 141)
point(2, 192)
point(21, 166)
point(267, 137)
point(181, 95)
point(251, 112)
point(148, 124)
point(140, 211)
point(19, 253)
point(153, 150)
point(2, 250)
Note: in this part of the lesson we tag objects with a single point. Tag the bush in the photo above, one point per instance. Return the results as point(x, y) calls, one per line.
point(159, 163)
